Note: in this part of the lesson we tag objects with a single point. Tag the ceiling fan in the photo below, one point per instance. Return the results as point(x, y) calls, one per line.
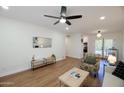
point(63, 18)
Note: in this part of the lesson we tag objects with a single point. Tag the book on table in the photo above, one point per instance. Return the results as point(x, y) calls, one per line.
point(75, 74)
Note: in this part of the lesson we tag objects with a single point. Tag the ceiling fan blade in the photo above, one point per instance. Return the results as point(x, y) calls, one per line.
point(74, 17)
point(52, 16)
point(56, 22)
point(63, 11)
point(67, 22)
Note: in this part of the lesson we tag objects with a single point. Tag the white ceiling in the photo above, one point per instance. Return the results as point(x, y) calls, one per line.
point(90, 22)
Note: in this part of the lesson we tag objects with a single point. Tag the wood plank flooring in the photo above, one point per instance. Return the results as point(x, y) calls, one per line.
point(46, 76)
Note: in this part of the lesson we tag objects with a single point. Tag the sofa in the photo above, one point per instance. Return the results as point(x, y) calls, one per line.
point(35, 63)
point(111, 80)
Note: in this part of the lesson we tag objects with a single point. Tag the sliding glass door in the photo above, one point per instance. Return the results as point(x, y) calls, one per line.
point(98, 46)
point(101, 46)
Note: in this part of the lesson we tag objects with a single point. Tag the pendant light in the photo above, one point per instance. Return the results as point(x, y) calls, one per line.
point(99, 34)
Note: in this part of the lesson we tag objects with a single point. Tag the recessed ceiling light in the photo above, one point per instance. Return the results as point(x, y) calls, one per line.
point(5, 7)
point(67, 28)
point(102, 17)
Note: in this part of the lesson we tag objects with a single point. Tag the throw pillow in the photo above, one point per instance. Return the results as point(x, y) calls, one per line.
point(119, 71)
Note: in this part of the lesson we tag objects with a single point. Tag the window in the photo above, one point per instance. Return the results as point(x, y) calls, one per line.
point(108, 43)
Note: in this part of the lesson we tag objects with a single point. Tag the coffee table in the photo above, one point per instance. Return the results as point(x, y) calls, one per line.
point(68, 80)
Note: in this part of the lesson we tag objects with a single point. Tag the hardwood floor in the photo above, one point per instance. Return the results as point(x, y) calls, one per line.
point(46, 76)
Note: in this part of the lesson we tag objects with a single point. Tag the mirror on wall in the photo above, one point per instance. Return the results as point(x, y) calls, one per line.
point(41, 42)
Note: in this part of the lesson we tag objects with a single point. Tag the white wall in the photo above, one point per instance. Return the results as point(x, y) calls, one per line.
point(74, 46)
point(16, 45)
point(123, 46)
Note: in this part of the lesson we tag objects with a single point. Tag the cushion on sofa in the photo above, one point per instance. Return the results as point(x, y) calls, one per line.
point(119, 71)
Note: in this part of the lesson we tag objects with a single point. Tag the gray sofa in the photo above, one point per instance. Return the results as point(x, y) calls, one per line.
point(111, 80)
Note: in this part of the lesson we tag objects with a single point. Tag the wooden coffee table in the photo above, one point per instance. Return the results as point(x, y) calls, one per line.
point(68, 80)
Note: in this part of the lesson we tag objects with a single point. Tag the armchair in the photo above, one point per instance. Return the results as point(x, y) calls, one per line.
point(90, 64)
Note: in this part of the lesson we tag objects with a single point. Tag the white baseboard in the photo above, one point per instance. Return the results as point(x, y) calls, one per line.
point(13, 72)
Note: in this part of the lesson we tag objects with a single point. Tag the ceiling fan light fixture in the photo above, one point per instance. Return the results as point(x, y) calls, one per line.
point(99, 34)
point(62, 20)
